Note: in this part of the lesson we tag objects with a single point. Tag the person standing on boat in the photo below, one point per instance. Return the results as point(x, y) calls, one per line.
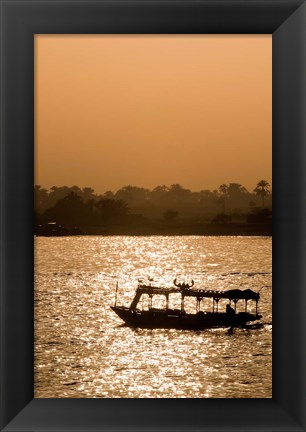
point(230, 310)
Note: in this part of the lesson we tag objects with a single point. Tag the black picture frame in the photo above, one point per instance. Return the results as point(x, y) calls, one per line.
point(20, 20)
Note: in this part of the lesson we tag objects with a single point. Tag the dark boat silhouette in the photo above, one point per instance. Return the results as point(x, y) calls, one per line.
point(179, 319)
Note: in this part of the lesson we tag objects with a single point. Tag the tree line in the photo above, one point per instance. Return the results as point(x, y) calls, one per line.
point(160, 208)
point(226, 199)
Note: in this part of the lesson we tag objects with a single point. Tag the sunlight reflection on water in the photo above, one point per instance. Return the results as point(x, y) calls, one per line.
point(82, 349)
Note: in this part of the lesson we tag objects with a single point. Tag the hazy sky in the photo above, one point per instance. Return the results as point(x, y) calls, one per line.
point(148, 110)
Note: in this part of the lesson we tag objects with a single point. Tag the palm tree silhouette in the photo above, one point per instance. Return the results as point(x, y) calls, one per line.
point(262, 189)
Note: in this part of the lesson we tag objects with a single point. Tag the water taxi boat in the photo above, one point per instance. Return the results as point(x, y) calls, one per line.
point(179, 319)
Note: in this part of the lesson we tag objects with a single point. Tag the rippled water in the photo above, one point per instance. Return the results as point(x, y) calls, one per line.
point(82, 349)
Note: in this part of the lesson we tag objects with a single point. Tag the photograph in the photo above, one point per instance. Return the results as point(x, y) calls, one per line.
point(153, 216)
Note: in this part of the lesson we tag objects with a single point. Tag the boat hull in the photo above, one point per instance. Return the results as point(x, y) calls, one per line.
point(175, 319)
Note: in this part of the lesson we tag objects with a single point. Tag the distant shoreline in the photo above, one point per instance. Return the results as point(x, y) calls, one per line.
point(232, 229)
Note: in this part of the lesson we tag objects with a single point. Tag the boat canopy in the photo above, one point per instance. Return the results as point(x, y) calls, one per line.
point(233, 294)
point(247, 294)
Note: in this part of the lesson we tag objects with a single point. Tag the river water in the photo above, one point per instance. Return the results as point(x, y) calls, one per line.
point(82, 350)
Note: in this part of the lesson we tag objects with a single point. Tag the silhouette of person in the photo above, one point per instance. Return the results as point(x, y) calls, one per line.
point(230, 310)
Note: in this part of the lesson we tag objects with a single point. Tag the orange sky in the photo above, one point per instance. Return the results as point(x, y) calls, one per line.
point(148, 110)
